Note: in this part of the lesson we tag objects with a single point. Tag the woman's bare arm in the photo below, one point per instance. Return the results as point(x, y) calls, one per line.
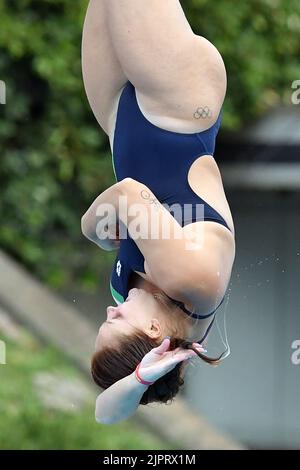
point(182, 273)
point(120, 400)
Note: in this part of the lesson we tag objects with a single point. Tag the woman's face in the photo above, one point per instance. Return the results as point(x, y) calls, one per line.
point(140, 310)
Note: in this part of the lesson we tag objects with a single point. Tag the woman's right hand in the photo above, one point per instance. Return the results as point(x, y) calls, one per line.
point(112, 241)
point(159, 361)
point(114, 235)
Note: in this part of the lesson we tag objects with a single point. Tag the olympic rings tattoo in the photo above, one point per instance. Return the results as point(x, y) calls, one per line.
point(203, 113)
point(146, 195)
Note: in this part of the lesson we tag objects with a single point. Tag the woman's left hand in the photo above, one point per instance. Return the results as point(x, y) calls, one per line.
point(159, 361)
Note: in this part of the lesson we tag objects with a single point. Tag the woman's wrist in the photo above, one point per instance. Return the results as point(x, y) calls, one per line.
point(137, 384)
point(140, 379)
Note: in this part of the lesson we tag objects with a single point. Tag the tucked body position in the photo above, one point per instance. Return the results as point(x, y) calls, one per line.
point(157, 90)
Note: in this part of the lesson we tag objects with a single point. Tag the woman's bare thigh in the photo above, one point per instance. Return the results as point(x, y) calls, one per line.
point(200, 84)
point(102, 72)
point(203, 88)
point(174, 71)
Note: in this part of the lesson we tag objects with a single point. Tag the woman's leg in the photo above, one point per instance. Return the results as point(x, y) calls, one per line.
point(102, 73)
point(152, 39)
point(174, 71)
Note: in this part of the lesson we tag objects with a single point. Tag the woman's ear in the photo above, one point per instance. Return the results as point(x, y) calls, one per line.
point(154, 329)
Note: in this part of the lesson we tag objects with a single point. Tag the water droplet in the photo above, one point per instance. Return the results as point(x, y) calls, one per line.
point(268, 280)
point(283, 271)
point(258, 284)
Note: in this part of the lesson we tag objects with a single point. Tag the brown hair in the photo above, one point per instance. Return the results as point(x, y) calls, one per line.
point(113, 364)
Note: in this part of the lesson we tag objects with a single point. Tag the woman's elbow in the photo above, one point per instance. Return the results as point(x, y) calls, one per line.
point(86, 228)
point(84, 225)
point(104, 420)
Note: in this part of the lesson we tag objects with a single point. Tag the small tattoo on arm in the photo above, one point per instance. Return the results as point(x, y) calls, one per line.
point(152, 200)
point(203, 113)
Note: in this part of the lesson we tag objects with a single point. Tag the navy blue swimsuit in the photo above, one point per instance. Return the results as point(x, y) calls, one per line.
point(160, 159)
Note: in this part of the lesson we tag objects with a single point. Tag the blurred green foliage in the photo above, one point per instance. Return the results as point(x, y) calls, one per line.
point(28, 424)
point(54, 157)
